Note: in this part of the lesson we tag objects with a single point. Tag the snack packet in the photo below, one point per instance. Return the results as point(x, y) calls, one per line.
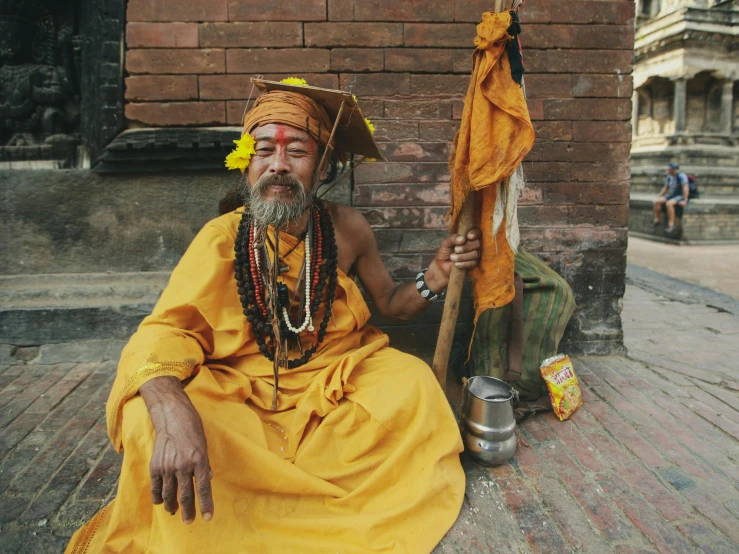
point(564, 390)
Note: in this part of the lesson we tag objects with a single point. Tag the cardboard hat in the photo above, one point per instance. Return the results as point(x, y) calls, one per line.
point(353, 133)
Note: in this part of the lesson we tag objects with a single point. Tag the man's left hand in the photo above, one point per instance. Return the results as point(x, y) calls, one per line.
point(458, 250)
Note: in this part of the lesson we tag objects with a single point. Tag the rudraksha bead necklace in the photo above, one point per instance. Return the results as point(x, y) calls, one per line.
point(319, 274)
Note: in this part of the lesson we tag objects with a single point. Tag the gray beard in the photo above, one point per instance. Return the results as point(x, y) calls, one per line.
point(276, 211)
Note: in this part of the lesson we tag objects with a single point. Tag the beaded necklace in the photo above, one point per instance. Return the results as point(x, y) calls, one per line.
point(319, 273)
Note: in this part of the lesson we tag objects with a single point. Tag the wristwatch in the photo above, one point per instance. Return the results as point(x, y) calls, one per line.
point(425, 291)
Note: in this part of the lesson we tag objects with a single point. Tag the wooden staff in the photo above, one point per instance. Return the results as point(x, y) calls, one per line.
point(453, 297)
point(456, 279)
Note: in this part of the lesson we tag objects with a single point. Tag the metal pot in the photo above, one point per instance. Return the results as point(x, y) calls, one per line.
point(488, 424)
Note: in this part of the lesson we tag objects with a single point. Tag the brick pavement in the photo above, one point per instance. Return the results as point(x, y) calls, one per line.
point(649, 464)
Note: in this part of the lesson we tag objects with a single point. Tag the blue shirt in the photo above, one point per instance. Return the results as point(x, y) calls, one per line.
point(675, 183)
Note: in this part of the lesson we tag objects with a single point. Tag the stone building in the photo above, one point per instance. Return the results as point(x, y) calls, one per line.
point(133, 106)
point(686, 109)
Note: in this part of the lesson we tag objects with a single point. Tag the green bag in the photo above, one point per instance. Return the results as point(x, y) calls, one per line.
point(511, 342)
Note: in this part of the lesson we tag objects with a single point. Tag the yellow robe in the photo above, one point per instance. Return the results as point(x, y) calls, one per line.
point(360, 456)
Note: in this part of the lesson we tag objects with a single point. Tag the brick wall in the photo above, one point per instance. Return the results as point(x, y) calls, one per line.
point(189, 63)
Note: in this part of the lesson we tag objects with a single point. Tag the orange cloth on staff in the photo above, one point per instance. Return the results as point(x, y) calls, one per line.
point(362, 454)
point(494, 137)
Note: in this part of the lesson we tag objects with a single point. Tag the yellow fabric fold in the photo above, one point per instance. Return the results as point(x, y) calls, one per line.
point(494, 137)
point(362, 454)
point(493, 277)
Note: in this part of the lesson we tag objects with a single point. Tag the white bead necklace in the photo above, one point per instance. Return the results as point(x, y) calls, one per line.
point(308, 322)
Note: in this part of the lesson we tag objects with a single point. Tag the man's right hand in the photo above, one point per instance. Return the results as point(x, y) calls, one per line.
point(180, 450)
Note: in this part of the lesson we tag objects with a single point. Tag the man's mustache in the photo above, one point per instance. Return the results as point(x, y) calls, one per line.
point(266, 181)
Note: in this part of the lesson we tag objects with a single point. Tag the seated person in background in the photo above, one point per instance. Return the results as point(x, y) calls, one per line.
point(676, 192)
point(352, 447)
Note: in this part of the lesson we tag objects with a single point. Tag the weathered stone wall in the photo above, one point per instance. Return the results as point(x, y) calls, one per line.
point(703, 221)
point(81, 222)
point(189, 64)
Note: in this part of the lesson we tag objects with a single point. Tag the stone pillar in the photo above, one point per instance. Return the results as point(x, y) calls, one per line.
point(635, 114)
point(680, 106)
point(727, 107)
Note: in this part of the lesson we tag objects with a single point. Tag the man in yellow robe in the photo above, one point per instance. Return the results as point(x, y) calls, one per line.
point(361, 451)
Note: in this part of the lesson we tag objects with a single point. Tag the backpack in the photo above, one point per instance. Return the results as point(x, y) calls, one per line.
point(693, 186)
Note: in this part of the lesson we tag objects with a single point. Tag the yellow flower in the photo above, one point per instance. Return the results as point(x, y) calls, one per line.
point(370, 160)
point(295, 81)
point(370, 125)
point(241, 155)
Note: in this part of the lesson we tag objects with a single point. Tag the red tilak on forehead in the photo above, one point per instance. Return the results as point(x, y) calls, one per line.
point(281, 134)
point(284, 135)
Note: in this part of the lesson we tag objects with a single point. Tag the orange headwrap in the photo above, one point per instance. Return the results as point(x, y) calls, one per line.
point(292, 109)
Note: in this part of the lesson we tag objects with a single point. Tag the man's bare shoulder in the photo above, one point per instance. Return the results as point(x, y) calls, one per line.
point(349, 220)
point(352, 229)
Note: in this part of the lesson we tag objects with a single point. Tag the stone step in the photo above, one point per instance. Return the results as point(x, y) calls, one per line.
point(706, 220)
point(712, 183)
point(80, 289)
point(42, 309)
point(715, 168)
point(64, 308)
point(715, 190)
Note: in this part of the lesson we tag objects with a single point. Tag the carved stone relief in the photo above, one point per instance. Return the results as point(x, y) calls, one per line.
point(39, 78)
